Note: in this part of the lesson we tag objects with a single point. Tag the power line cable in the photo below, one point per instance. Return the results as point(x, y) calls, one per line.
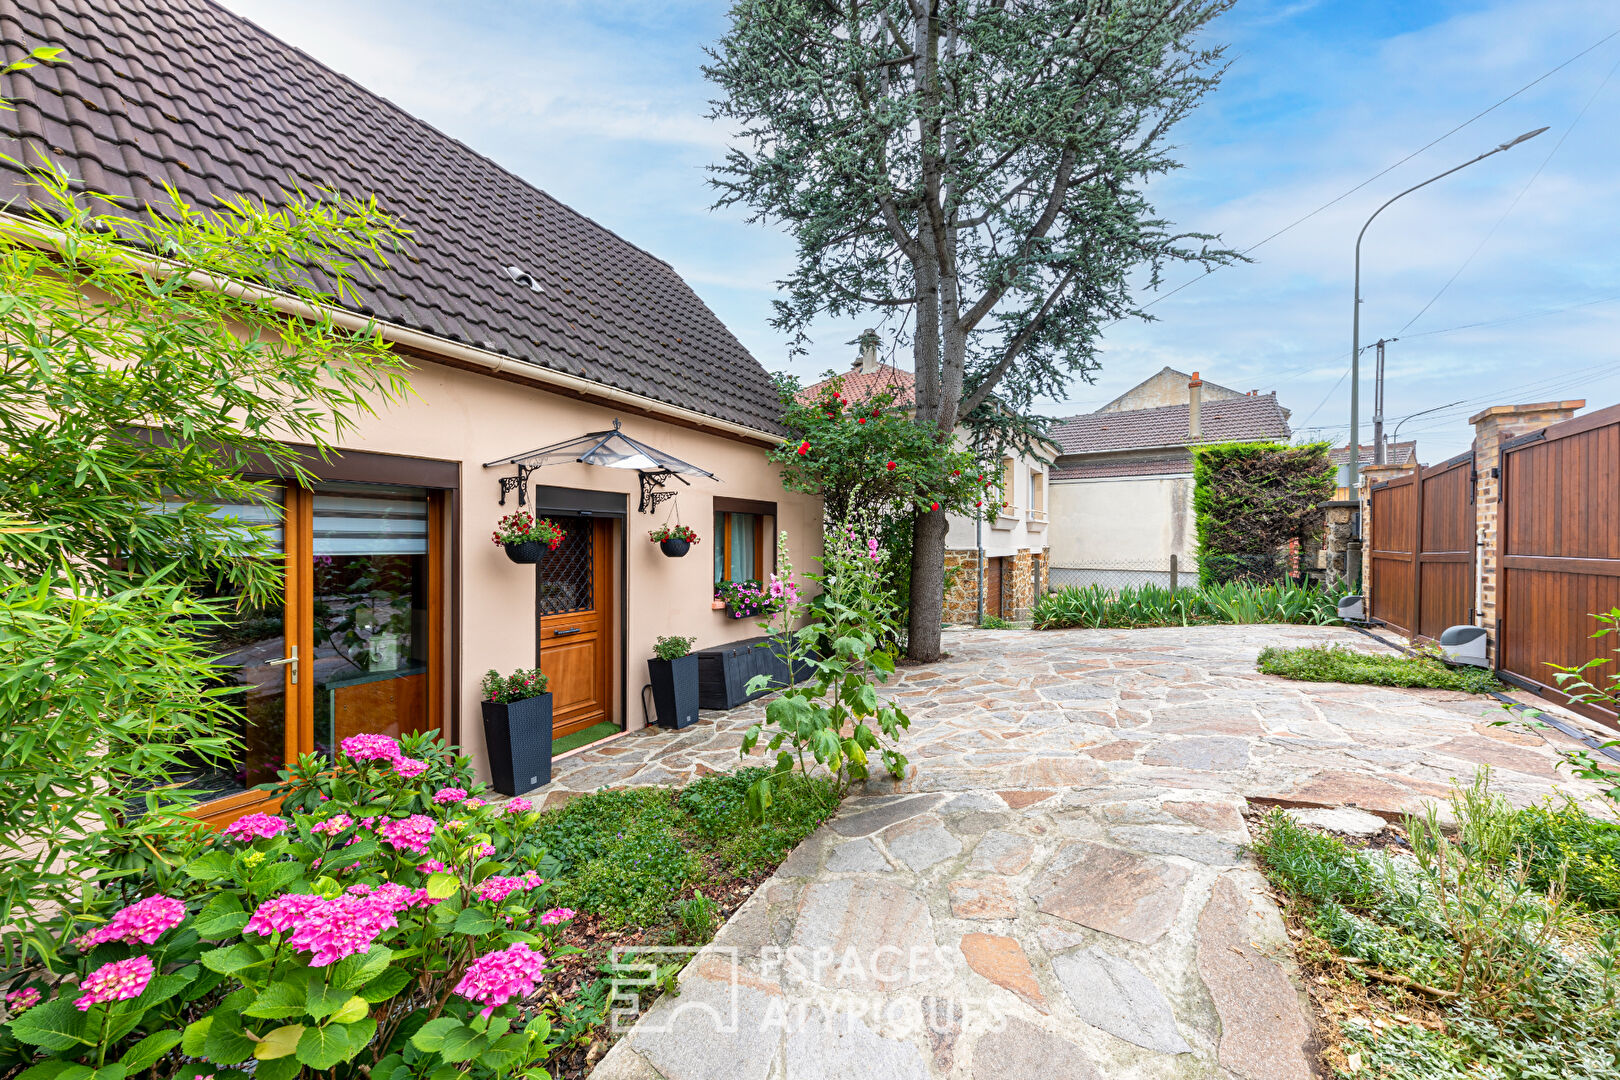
point(1522, 191)
point(1301, 220)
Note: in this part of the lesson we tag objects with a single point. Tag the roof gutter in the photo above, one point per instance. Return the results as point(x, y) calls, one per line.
point(416, 342)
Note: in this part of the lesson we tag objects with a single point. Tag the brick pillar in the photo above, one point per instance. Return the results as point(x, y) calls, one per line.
point(1492, 428)
point(962, 596)
point(1370, 475)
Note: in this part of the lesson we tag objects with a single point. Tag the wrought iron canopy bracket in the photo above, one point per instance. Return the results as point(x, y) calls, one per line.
point(519, 483)
point(650, 483)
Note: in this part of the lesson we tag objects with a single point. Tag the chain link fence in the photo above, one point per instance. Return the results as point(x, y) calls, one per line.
point(1173, 572)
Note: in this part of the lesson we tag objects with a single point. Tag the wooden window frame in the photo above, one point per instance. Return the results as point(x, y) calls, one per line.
point(724, 540)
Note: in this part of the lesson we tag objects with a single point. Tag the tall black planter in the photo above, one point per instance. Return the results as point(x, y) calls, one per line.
point(674, 546)
point(675, 690)
point(518, 739)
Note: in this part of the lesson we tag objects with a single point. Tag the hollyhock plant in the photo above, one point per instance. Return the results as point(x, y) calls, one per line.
point(496, 978)
point(143, 922)
point(120, 980)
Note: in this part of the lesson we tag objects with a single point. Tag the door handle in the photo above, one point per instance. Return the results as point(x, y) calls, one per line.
point(572, 630)
point(285, 660)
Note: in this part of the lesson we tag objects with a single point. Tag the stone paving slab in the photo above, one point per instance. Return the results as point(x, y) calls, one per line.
point(1059, 889)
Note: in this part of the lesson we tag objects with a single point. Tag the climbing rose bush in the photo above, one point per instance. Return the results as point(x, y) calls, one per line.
point(386, 924)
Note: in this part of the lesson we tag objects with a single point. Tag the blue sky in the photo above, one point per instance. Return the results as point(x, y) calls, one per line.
point(601, 103)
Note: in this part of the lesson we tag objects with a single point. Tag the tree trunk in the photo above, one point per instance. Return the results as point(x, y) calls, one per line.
point(927, 585)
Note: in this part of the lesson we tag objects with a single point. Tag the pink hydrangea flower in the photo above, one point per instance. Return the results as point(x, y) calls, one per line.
point(497, 889)
point(518, 806)
point(483, 850)
point(410, 767)
point(433, 866)
point(557, 915)
point(342, 927)
point(447, 795)
point(408, 834)
point(18, 1000)
point(332, 825)
point(281, 913)
point(117, 981)
point(256, 826)
point(368, 746)
point(496, 978)
point(143, 922)
point(473, 804)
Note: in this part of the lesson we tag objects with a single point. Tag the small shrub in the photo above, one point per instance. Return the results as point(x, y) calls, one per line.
point(1565, 843)
point(1336, 663)
point(672, 648)
point(695, 917)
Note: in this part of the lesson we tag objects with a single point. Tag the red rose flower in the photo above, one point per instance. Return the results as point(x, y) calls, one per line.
point(862, 420)
point(804, 448)
point(933, 506)
point(891, 466)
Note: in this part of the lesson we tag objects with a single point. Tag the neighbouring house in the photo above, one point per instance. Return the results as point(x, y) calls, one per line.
point(1122, 484)
point(995, 567)
point(1395, 453)
point(526, 323)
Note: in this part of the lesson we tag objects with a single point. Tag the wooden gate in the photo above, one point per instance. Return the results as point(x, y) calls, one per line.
point(1423, 549)
point(1560, 550)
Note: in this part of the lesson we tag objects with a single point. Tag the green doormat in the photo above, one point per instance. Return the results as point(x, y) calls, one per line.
point(583, 736)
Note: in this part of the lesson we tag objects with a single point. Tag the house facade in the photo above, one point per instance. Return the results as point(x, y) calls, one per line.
point(1122, 486)
point(525, 324)
point(992, 567)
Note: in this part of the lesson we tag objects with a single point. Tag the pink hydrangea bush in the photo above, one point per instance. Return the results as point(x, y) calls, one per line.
point(385, 902)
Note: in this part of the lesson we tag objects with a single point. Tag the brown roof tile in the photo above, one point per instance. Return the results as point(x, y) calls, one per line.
point(186, 92)
point(858, 385)
point(1243, 419)
point(1400, 453)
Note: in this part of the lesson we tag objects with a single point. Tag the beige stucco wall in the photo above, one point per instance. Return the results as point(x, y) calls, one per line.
point(470, 418)
point(1168, 387)
point(1102, 523)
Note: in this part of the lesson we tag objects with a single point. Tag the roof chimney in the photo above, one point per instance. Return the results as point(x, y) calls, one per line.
point(868, 362)
point(1195, 398)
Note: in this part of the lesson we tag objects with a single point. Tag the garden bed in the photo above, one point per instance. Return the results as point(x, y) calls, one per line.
point(656, 866)
point(1495, 953)
point(1335, 663)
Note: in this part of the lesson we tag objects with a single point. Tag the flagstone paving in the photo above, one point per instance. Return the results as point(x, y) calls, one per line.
point(1060, 888)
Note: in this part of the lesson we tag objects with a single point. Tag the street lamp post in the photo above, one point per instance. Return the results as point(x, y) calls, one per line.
point(1354, 456)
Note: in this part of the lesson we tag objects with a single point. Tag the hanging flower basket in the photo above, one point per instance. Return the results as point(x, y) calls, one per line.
point(674, 540)
point(525, 539)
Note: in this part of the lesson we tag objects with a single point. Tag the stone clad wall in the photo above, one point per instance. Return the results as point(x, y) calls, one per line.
point(962, 590)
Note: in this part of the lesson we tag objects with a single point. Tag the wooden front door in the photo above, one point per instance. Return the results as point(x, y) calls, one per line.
point(574, 624)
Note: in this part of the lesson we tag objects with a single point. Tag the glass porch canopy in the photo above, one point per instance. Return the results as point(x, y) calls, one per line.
point(609, 449)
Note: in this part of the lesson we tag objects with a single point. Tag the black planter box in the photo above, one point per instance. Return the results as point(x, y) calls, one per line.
point(518, 739)
point(675, 690)
point(723, 672)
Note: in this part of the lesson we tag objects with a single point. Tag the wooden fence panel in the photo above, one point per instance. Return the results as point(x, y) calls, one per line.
point(1445, 564)
point(1560, 549)
point(1393, 556)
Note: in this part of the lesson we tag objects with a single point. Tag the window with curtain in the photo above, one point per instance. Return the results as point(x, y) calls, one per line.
point(1008, 491)
point(1037, 491)
point(738, 547)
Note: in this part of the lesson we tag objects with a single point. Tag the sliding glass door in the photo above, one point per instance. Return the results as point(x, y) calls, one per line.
point(355, 644)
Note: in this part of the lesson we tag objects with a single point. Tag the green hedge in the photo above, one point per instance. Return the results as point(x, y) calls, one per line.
point(1250, 499)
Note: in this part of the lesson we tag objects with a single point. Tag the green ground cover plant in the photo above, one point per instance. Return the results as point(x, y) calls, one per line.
point(1096, 607)
point(1336, 663)
point(1487, 950)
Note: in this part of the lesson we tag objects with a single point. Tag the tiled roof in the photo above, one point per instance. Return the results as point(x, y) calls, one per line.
point(859, 385)
point(1088, 469)
point(1400, 453)
point(1242, 419)
point(186, 92)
